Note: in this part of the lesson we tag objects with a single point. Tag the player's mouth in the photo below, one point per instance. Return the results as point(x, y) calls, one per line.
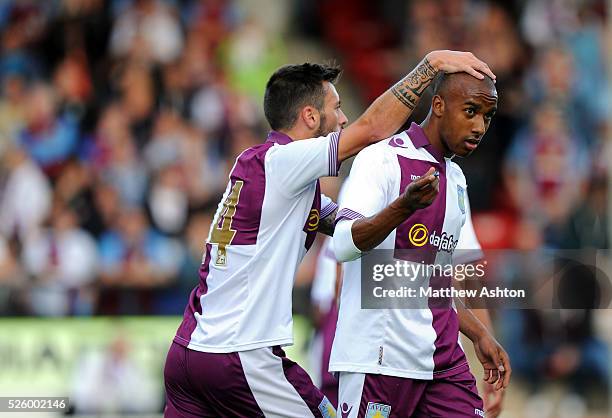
point(471, 143)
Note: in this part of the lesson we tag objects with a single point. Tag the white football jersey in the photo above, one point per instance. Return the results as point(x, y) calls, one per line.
point(266, 221)
point(411, 343)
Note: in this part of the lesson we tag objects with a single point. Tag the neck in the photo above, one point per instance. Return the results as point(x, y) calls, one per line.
point(296, 133)
point(432, 131)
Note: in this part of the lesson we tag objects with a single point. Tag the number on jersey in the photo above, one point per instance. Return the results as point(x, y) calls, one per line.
point(222, 232)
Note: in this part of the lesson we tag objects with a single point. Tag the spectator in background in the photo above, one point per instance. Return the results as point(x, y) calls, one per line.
point(50, 139)
point(25, 182)
point(147, 30)
point(13, 278)
point(546, 171)
point(170, 300)
point(12, 108)
point(134, 256)
point(62, 261)
point(127, 389)
point(168, 201)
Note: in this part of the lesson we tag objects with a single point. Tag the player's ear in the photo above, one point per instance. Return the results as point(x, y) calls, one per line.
point(437, 105)
point(310, 116)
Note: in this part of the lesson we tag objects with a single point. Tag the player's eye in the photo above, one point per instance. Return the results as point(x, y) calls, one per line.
point(470, 111)
point(489, 116)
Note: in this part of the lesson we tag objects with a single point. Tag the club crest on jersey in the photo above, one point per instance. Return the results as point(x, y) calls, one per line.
point(327, 409)
point(461, 198)
point(378, 410)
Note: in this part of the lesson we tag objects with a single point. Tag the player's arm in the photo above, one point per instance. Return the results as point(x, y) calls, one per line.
point(490, 353)
point(391, 110)
point(469, 251)
point(363, 234)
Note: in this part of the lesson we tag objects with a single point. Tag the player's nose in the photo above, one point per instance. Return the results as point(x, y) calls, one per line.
point(478, 128)
point(343, 120)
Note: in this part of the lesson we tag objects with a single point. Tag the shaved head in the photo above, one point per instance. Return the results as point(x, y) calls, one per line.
point(445, 84)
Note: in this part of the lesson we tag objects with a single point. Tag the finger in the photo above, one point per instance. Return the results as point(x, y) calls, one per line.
point(499, 384)
point(429, 197)
point(487, 375)
point(436, 183)
point(473, 72)
point(429, 172)
point(493, 376)
point(424, 179)
point(483, 67)
point(507, 367)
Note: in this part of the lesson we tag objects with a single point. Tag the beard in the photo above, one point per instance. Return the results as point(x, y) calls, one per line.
point(323, 130)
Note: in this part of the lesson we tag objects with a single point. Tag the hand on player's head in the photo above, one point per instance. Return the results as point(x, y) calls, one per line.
point(457, 61)
point(421, 192)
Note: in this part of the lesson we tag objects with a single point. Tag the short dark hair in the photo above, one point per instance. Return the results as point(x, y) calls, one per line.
point(292, 87)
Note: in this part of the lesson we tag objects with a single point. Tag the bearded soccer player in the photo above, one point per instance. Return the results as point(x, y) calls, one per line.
point(226, 358)
point(409, 362)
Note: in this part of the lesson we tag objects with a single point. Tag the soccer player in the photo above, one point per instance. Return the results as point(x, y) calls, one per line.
point(226, 358)
point(406, 193)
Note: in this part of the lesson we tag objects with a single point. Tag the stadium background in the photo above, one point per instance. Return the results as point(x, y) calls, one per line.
point(119, 121)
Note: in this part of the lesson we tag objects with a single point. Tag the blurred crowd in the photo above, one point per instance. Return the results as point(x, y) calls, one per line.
point(120, 119)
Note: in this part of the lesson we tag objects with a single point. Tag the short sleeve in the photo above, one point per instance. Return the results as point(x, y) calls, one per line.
point(468, 248)
point(297, 164)
point(365, 192)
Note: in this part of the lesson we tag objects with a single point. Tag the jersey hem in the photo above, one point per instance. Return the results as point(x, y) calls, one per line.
point(440, 374)
point(387, 371)
point(408, 374)
point(234, 348)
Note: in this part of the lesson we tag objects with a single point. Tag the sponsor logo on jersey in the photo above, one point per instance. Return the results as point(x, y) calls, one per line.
point(313, 220)
point(461, 198)
point(443, 242)
point(414, 177)
point(479, 412)
point(345, 410)
point(327, 409)
point(378, 410)
point(418, 235)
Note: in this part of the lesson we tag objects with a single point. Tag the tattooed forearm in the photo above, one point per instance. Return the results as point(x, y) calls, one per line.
point(328, 224)
point(409, 89)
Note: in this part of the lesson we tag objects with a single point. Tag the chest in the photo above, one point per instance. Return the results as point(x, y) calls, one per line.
point(435, 228)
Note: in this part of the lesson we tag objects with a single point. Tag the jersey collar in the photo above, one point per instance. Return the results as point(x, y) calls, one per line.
point(279, 138)
point(419, 140)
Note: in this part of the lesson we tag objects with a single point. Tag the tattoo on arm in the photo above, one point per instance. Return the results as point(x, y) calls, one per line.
point(328, 224)
point(409, 89)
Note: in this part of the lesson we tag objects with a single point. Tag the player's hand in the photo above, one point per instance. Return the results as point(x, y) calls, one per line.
point(421, 192)
point(495, 362)
point(457, 62)
point(493, 400)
